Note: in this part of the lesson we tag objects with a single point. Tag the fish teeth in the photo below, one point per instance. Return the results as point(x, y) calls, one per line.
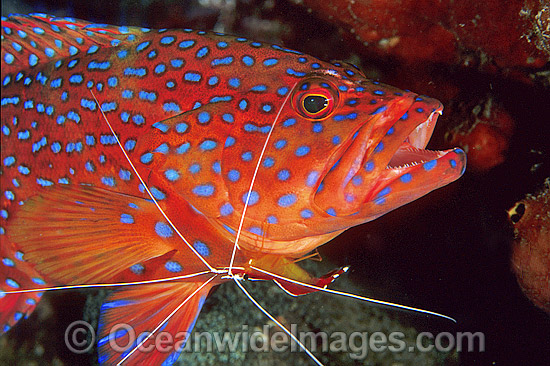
point(406, 165)
point(432, 154)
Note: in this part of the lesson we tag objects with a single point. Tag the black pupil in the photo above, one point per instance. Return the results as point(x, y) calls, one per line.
point(315, 103)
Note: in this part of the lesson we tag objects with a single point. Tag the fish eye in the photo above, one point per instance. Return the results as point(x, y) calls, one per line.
point(314, 104)
point(315, 99)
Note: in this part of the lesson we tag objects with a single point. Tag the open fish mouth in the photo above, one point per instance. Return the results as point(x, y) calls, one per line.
point(412, 150)
point(411, 155)
point(387, 159)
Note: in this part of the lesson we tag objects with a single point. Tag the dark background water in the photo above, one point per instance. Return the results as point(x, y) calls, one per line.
point(449, 251)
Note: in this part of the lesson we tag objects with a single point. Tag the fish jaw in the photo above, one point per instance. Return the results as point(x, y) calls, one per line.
point(385, 164)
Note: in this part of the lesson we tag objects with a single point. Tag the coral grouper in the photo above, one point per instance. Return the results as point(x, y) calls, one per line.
point(136, 155)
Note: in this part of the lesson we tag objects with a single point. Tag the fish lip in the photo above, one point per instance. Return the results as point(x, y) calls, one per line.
point(414, 136)
point(411, 155)
point(382, 149)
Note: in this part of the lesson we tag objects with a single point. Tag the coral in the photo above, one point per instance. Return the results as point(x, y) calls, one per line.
point(483, 132)
point(510, 34)
point(531, 250)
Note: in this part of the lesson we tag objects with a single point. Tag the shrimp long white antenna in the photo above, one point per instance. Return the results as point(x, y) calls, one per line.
point(272, 318)
point(253, 180)
point(165, 320)
point(212, 269)
point(115, 284)
point(352, 296)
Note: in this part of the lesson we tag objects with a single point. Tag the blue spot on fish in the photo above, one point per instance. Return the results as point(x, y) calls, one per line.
point(167, 40)
point(172, 175)
point(282, 91)
point(201, 248)
point(302, 151)
point(226, 209)
point(183, 148)
point(380, 201)
point(177, 63)
point(202, 52)
point(228, 60)
point(8, 262)
point(230, 141)
point(126, 219)
point(181, 127)
point(138, 119)
point(108, 181)
point(146, 95)
point(8, 161)
point(268, 162)
point(140, 47)
point(406, 178)
point(289, 122)
point(259, 88)
point(384, 192)
point(228, 117)
point(173, 266)
point(158, 194)
point(379, 110)
point(146, 158)
point(186, 44)
point(124, 174)
point(136, 269)
point(253, 198)
point(56, 147)
point(233, 175)
point(283, 175)
point(287, 200)
point(306, 214)
point(139, 72)
point(44, 182)
point(203, 117)
point(12, 283)
point(280, 144)
point(171, 107)
point(203, 190)
point(160, 126)
point(213, 80)
point(130, 145)
point(208, 145)
point(270, 62)
point(163, 230)
point(430, 165)
point(256, 230)
point(312, 177)
point(39, 144)
point(248, 60)
point(369, 166)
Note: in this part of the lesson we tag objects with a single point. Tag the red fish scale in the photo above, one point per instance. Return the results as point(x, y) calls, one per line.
point(193, 111)
point(50, 166)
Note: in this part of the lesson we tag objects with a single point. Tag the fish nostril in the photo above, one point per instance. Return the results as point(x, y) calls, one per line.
point(517, 213)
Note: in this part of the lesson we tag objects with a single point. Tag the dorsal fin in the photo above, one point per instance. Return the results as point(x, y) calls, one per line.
point(32, 40)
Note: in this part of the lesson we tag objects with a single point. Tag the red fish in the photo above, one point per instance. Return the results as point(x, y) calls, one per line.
point(137, 155)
